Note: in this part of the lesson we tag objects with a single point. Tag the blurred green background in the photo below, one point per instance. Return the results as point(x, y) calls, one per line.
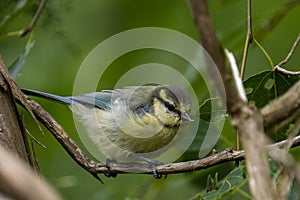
point(69, 30)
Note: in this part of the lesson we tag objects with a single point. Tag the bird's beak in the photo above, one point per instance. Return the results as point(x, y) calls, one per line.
point(186, 117)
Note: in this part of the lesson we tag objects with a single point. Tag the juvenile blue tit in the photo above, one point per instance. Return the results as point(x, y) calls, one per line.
point(130, 123)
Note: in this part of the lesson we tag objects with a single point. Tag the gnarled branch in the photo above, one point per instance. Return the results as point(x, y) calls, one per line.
point(282, 107)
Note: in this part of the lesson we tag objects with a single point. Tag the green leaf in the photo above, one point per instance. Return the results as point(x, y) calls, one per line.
point(233, 181)
point(268, 85)
point(16, 67)
point(212, 114)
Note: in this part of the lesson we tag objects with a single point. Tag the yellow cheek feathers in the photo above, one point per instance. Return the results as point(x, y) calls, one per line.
point(166, 117)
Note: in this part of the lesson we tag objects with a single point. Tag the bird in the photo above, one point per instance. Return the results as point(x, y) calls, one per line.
point(131, 123)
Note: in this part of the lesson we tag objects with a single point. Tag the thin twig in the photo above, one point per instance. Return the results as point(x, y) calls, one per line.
point(32, 24)
point(249, 38)
point(25, 138)
point(278, 67)
point(36, 164)
point(286, 71)
point(290, 53)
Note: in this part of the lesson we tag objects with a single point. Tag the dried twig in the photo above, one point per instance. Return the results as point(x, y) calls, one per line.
point(27, 30)
point(290, 53)
point(249, 38)
point(27, 147)
point(278, 67)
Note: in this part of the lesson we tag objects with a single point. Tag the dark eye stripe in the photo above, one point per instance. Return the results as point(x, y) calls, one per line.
point(169, 106)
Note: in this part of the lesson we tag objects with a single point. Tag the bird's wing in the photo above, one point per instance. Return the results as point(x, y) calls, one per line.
point(135, 97)
point(101, 100)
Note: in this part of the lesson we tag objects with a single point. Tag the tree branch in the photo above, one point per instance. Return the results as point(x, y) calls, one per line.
point(211, 44)
point(282, 107)
point(17, 181)
point(12, 137)
point(246, 119)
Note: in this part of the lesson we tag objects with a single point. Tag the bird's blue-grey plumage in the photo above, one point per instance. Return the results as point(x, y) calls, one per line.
point(101, 100)
point(129, 120)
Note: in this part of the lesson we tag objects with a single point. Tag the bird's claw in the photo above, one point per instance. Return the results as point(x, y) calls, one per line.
point(156, 174)
point(109, 173)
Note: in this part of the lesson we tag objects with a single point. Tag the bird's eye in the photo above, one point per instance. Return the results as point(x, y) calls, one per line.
point(170, 107)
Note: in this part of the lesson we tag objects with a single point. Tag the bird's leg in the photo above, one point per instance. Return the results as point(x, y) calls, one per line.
point(153, 164)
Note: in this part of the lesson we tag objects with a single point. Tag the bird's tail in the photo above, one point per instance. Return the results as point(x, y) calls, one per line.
point(59, 99)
